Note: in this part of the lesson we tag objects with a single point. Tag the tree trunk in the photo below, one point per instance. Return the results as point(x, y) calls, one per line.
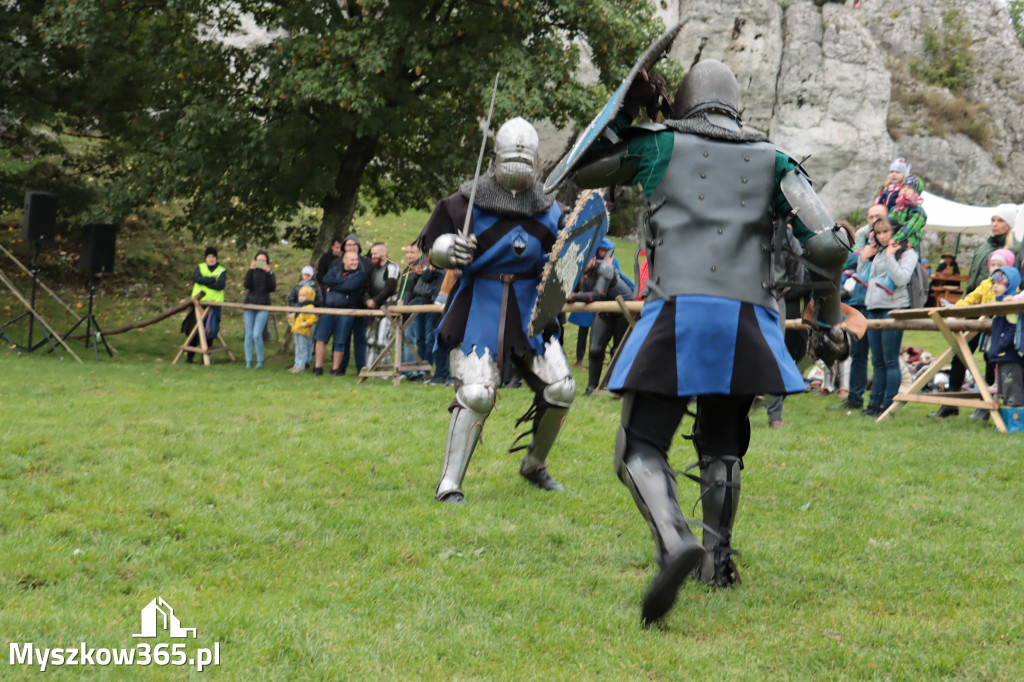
point(340, 205)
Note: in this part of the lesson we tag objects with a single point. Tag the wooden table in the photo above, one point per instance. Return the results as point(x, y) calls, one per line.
point(946, 287)
point(949, 279)
point(957, 341)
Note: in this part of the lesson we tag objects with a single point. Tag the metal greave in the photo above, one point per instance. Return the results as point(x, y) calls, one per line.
point(652, 483)
point(720, 501)
point(546, 426)
point(551, 405)
point(463, 435)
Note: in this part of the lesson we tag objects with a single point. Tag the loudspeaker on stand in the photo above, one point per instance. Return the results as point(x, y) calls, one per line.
point(98, 247)
point(40, 218)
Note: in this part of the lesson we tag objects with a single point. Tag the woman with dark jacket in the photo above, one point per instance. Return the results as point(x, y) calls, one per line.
point(343, 288)
point(259, 283)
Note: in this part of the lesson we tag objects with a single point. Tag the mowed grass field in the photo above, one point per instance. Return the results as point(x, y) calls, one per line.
point(290, 520)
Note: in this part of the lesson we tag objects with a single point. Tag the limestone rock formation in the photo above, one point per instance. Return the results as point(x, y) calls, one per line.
point(843, 86)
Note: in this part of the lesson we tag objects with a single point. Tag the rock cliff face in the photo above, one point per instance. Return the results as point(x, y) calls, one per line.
point(840, 84)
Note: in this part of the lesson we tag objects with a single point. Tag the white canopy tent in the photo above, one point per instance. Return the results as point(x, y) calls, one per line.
point(949, 216)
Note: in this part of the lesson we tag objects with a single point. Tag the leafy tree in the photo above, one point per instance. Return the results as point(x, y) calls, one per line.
point(1016, 8)
point(82, 82)
point(344, 100)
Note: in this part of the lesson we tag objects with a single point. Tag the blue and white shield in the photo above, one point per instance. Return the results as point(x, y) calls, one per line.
point(608, 112)
point(576, 245)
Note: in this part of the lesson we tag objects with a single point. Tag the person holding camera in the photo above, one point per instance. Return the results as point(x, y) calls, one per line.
point(260, 283)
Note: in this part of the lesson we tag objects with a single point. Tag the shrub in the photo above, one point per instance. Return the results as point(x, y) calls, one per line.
point(949, 59)
point(939, 113)
point(857, 217)
point(622, 211)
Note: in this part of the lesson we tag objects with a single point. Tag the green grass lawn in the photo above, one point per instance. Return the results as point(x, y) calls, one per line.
point(291, 520)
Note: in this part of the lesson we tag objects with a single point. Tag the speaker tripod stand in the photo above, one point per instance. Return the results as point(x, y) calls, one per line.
point(32, 316)
point(93, 333)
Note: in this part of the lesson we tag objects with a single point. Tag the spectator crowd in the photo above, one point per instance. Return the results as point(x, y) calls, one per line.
point(880, 276)
point(884, 273)
point(345, 277)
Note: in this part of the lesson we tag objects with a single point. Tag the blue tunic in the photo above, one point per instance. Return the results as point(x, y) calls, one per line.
point(505, 245)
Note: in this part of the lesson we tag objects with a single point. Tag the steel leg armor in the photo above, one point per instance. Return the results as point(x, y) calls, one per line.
point(652, 483)
point(474, 400)
point(721, 435)
point(549, 409)
point(720, 499)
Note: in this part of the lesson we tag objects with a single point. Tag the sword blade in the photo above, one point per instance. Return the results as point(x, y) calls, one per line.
point(480, 159)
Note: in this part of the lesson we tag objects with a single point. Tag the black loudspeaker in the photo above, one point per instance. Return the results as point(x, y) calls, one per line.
point(98, 241)
point(40, 222)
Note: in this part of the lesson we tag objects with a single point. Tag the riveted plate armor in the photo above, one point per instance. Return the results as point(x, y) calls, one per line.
point(710, 225)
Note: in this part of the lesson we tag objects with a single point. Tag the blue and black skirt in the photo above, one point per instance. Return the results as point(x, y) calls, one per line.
point(699, 345)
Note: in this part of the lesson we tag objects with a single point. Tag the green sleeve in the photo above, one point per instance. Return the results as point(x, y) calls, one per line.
point(784, 164)
point(649, 153)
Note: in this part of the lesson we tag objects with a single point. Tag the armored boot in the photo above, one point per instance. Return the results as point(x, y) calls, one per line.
point(534, 464)
point(652, 483)
point(548, 412)
point(721, 436)
point(720, 500)
point(473, 403)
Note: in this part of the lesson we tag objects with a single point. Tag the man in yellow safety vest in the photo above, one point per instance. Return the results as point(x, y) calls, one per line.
point(210, 278)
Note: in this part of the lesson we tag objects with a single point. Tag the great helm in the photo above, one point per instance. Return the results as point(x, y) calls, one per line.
point(515, 155)
point(709, 86)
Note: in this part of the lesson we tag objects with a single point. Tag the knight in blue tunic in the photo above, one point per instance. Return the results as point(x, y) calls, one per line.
point(710, 329)
point(513, 226)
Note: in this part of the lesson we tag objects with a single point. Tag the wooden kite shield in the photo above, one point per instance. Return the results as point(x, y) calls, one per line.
point(600, 124)
point(576, 245)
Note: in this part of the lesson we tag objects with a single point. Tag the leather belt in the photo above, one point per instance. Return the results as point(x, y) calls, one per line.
point(506, 278)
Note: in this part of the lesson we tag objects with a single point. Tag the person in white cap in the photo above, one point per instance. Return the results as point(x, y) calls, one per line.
point(305, 280)
point(1003, 218)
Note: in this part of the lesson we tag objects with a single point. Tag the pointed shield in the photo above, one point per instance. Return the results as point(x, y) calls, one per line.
point(607, 113)
point(575, 246)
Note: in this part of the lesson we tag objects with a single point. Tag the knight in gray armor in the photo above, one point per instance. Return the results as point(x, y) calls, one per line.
point(709, 334)
point(380, 289)
point(601, 282)
point(383, 282)
point(512, 228)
